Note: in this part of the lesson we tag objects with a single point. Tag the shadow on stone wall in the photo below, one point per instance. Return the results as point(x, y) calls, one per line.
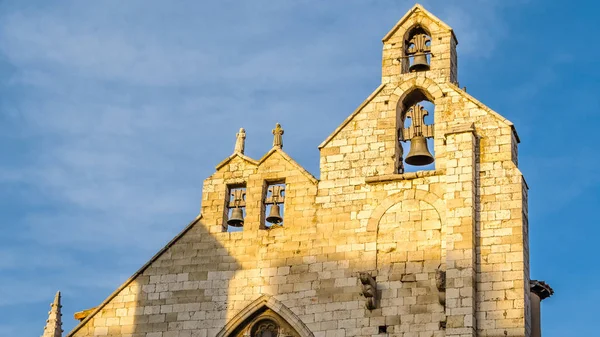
point(185, 290)
point(205, 285)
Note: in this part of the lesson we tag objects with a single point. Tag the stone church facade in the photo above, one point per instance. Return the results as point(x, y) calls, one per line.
point(369, 249)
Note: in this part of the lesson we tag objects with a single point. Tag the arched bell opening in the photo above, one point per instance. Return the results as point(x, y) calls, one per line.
point(235, 208)
point(417, 50)
point(415, 146)
point(273, 204)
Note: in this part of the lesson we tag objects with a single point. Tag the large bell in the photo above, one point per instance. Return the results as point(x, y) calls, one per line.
point(419, 154)
point(419, 63)
point(274, 216)
point(237, 218)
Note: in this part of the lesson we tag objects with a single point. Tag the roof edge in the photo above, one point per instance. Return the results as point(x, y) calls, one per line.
point(349, 118)
point(485, 107)
point(235, 154)
point(289, 160)
point(134, 276)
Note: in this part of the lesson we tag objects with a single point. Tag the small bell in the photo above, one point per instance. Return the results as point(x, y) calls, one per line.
point(419, 63)
point(274, 216)
point(237, 218)
point(419, 154)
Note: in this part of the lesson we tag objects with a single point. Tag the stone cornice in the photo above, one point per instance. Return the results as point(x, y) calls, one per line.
point(404, 176)
point(463, 128)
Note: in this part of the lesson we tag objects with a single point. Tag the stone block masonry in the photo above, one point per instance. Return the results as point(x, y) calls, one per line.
point(447, 248)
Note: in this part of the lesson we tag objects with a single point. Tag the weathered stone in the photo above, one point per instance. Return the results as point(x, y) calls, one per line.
point(446, 249)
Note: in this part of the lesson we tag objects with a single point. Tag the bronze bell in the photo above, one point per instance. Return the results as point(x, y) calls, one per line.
point(274, 216)
point(237, 218)
point(419, 63)
point(419, 154)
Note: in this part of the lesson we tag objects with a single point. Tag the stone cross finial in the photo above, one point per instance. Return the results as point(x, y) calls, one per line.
point(240, 141)
point(277, 136)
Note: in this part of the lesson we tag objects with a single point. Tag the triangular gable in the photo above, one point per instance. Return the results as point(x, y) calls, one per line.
point(411, 12)
point(289, 160)
point(134, 276)
point(347, 120)
point(484, 107)
point(236, 154)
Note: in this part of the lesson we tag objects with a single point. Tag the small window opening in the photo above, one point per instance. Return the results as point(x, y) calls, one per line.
point(235, 208)
point(383, 329)
point(273, 205)
point(417, 50)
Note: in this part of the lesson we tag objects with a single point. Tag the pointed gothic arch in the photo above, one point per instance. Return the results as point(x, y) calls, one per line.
point(416, 43)
point(423, 92)
point(264, 308)
point(413, 91)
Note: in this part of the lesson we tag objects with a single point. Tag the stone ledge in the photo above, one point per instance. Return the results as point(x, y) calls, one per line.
point(456, 129)
point(403, 176)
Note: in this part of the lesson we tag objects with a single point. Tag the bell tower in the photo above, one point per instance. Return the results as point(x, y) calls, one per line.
point(433, 173)
point(419, 43)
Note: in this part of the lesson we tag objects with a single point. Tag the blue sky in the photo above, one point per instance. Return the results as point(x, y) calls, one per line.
point(113, 112)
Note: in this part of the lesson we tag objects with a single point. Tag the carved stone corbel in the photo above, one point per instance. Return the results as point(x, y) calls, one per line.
point(369, 290)
point(440, 283)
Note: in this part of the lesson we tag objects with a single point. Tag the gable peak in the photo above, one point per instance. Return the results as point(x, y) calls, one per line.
point(290, 160)
point(414, 11)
